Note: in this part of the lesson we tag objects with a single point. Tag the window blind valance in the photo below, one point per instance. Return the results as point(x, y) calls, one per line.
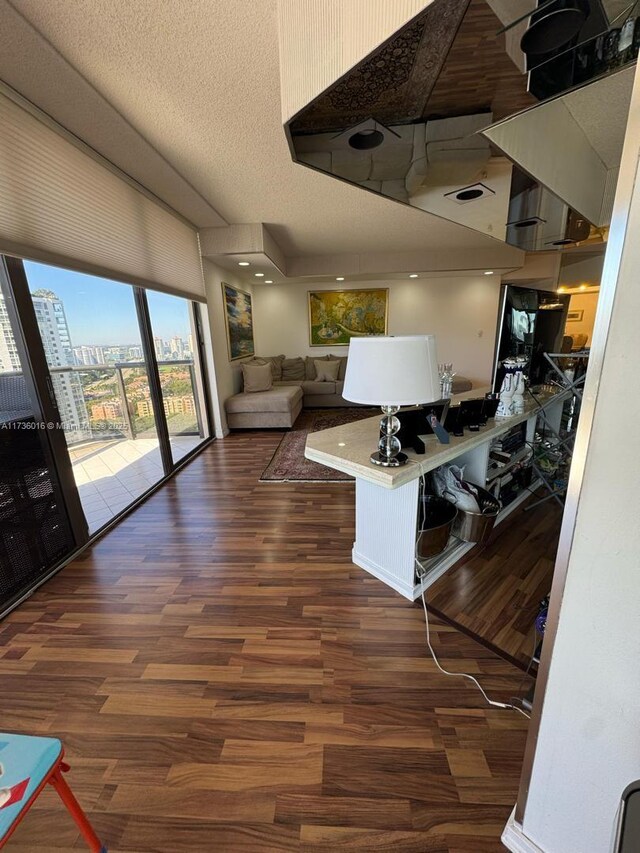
point(60, 205)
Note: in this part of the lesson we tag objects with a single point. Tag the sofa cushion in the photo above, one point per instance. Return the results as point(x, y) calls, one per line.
point(312, 386)
point(281, 399)
point(293, 368)
point(310, 367)
point(339, 386)
point(343, 364)
point(288, 383)
point(256, 377)
point(276, 364)
point(327, 369)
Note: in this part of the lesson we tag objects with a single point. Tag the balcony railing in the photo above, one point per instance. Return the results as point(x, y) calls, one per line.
point(103, 402)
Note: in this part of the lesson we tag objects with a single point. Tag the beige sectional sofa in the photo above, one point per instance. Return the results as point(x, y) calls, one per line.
point(294, 386)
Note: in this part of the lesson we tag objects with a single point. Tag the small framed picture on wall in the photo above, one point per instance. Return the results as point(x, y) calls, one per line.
point(575, 316)
point(336, 316)
point(239, 322)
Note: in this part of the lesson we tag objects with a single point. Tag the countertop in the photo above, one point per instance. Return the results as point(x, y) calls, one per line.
point(348, 447)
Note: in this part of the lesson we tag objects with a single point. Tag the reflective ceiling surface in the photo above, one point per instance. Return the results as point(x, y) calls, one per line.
point(409, 121)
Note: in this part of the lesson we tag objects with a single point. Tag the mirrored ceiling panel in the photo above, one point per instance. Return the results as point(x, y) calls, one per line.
point(409, 121)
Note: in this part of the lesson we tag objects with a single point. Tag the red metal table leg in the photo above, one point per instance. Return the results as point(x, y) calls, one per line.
point(73, 806)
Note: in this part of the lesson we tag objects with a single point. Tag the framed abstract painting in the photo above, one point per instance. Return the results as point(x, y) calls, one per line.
point(336, 316)
point(239, 322)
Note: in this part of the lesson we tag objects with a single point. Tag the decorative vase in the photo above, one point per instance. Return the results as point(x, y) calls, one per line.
point(505, 406)
point(517, 403)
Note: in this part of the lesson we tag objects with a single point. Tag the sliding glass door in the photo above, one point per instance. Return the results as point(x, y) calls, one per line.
point(93, 347)
point(36, 532)
point(175, 342)
point(117, 368)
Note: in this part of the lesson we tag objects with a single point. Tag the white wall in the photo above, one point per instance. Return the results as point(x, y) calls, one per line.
point(461, 312)
point(228, 374)
point(588, 744)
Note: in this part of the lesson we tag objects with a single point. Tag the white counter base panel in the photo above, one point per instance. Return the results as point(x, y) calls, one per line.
point(405, 583)
point(387, 498)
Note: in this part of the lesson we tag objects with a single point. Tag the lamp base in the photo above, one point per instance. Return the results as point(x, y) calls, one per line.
point(389, 462)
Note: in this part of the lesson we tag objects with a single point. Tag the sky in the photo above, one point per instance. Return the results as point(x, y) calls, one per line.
point(100, 311)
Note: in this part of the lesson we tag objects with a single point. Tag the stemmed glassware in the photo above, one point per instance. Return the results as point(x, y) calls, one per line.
point(446, 373)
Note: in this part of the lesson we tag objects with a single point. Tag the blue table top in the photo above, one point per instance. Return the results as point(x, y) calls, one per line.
point(24, 763)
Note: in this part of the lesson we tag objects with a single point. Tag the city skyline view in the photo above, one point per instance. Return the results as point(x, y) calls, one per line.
point(102, 389)
point(101, 312)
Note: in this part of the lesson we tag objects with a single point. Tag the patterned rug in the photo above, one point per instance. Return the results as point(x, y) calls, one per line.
point(288, 462)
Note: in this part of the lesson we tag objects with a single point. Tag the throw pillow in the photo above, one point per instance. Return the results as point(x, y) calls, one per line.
point(276, 365)
point(257, 377)
point(327, 371)
point(309, 368)
point(293, 370)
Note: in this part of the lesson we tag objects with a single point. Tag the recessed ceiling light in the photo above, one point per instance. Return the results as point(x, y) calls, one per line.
point(244, 264)
point(467, 194)
point(413, 275)
point(561, 289)
point(268, 281)
point(489, 272)
point(340, 278)
point(583, 287)
point(259, 274)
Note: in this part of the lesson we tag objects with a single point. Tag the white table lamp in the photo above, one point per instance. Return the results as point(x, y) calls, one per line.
point(392, 372)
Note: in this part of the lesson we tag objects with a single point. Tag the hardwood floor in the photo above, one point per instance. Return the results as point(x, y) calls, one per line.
point(224, 678)
point(495, 591)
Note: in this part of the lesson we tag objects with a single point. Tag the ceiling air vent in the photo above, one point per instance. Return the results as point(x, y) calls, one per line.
point(471, 193)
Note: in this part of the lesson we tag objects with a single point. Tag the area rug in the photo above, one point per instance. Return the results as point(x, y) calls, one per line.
point(288, 462)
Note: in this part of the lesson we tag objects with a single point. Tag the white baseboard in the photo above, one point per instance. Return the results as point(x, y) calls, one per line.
point(382, 575)
point(515, 840)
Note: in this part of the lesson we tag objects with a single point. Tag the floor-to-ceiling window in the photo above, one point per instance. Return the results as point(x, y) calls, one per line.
point(128, 407)
point(35, 528)
point(175, 342)
point(93, 346)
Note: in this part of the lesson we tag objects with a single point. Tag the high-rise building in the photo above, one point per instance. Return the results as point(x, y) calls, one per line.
point(58, 349)
point(88, 355)
point(158, 345)
point(84, 355)
point(190, 344)
point(9, 358)
point(177, 347)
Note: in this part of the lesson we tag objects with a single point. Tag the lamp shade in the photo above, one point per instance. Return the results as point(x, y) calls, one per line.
point(394, 371)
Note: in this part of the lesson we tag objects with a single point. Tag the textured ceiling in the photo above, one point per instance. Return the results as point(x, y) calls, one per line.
point(601, 110)
point(188, 90)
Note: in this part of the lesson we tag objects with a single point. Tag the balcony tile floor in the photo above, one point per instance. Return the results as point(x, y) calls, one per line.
point(112, 474)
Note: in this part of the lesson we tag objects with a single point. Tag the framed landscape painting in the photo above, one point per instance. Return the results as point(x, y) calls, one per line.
point(336, 316)
point(239, 322)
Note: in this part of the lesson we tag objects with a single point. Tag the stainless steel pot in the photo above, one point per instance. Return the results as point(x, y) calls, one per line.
point(437, 517)
point(477, 526)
